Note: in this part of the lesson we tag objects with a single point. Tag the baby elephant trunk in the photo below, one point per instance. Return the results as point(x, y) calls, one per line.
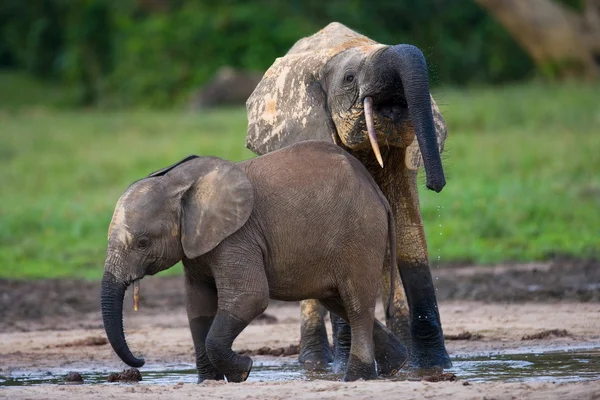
point(113, 292)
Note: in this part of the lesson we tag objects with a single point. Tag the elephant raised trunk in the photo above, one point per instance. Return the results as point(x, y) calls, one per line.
point(412, 69)
point(113, 292)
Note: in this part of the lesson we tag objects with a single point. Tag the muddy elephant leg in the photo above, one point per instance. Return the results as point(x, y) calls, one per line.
point(315, 352)
point(398, 322)
point(399, 185)
point(201, 304)
point(341, 342)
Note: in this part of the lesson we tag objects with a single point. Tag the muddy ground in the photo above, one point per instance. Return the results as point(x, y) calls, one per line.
point(57, 324)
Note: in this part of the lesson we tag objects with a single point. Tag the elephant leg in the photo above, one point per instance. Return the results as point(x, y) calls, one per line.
point(398, 322)
point(226, 327)
point(427, 348)
point(361, 362)
point(315, 352)
point(243, 294)
point(201, 302)
point(390, 353)
point(341, 342)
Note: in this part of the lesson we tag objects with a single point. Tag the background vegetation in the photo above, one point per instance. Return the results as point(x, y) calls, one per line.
point(522, 156)
point(522, 164)
point(153, 52)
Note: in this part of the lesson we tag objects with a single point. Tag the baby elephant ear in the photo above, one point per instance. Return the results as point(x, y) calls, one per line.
point(413, 158)
point(216, 205)
point(289, 104)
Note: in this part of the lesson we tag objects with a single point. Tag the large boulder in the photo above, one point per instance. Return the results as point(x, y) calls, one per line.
point(229, 86)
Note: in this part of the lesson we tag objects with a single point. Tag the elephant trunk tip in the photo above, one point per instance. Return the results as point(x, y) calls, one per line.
point(436, 184)
point(137, 363)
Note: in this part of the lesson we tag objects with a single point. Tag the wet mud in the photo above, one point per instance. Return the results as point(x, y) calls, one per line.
point(513, 331)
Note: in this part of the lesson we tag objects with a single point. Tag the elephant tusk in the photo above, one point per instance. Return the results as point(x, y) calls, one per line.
point(136, 295)
point(368, 105)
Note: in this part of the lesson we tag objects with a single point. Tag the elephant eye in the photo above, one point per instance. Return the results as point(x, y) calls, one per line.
point(143, 243)
point(349, 77)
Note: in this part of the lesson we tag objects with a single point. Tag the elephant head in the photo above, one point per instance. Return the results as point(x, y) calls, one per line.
point(184, 210)
point(340, 86)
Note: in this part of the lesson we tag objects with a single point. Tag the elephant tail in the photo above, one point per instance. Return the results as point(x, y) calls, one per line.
point(393, 262)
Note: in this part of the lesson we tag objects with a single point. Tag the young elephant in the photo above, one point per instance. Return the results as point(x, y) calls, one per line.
point(303, 222)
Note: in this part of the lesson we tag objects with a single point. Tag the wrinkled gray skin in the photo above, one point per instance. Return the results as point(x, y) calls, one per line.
point(318, 90)
point(303, 222)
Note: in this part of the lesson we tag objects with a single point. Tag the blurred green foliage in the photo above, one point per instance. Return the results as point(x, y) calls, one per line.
point(521, 163)
point(153, 52)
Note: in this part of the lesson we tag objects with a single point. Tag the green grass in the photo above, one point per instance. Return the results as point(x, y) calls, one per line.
point(63, 173)
point(20, 91)
point(523, 169)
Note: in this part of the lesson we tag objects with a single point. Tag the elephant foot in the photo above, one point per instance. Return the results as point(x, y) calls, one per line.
point(241, 369)
point(207, 371)
point(390, 353)
point(315, 360)
point(428, 351)
point(419, 374)
point(215, 376)
point(341, 358)
point(429, 359)
point(315, 352)
point(358, 369)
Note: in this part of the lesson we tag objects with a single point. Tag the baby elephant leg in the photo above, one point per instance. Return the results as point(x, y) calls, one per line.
point(361, 362)
point(225, 328)
point(201, 302)
point(243, 295)
point(390, 353)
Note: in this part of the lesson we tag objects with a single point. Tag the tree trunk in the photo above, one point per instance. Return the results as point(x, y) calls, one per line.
point(562, 42)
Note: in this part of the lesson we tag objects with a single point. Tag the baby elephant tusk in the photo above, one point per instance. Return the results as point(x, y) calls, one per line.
point(368, 105)
point(136, 295)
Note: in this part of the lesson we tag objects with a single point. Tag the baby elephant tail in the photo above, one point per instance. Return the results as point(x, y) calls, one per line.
point(393, 263)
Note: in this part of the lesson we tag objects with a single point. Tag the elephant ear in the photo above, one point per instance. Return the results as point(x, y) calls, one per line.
point(289, 105)
point(413, 158)
point(218, 201)
point(163, 171)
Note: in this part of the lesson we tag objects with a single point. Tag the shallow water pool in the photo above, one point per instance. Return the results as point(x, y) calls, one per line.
point(523, 365)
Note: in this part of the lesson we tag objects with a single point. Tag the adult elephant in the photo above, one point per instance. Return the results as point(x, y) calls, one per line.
point(372, 100)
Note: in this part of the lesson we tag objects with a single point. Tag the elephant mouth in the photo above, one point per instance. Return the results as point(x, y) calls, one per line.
point(391, 122)
point(391, 114)
point(392, 109)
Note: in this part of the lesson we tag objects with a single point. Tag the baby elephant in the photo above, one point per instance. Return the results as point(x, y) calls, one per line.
point(303, 222)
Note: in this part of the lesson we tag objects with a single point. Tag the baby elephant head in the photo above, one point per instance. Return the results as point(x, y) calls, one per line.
point(184, 210)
